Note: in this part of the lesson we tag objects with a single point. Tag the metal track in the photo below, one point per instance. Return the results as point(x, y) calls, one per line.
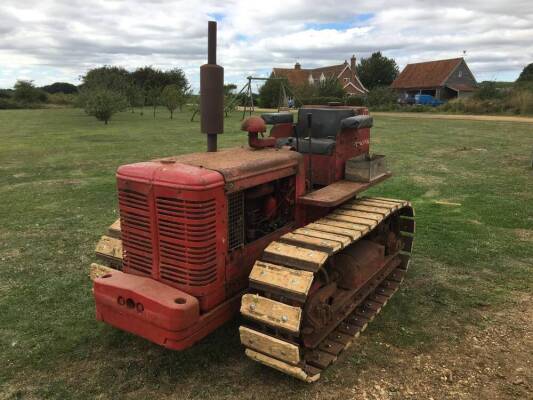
point(280, 283)
point(108, 251)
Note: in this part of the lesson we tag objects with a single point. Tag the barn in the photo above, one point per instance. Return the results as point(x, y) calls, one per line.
point(443, 79)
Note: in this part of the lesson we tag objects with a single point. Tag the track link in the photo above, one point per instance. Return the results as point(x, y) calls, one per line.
point(280, 284)
point(108, 251)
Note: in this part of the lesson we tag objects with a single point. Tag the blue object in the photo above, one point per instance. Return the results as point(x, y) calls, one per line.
point(427, 100)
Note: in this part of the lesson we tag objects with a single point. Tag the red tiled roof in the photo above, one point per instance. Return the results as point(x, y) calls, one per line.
point(332, 70)
point(296, 77)
point(300, 77)
point(425, 74)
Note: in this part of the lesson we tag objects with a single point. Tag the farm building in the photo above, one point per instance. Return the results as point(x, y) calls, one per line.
point(443, 79)
point(346, 74)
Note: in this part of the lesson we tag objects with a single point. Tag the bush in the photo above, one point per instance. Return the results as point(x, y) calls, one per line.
point(269, 93)
point(487, 90)
point(527, 74)
point(62, 99)
point(173, 97)
point(60, 87)
point(330, 87)
point(321, 101)
point(520, 102)
point(455, 106)
point(8, 104)
point(419, 108)
point(103, 103)
point(516, 103)
point(6, 93)
point(26, 94)
point(354, 101)
point(382, 96)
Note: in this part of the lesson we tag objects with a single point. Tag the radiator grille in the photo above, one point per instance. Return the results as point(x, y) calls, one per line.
point(187, 241)
point(235, 220)
point(136, 231)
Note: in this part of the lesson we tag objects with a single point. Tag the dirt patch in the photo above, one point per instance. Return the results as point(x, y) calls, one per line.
point(447, 203)
point(498, 118)
point(525, 235)
point(9, 253)
point(491, 363)
point(431, 193)
point(49, 183)
point(466, 148)
point(428, 180)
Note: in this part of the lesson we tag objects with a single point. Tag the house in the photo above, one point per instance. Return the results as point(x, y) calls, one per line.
point(345, 73)
point(443, 79)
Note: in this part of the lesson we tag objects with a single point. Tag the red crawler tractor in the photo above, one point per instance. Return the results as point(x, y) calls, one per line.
point(275, 229)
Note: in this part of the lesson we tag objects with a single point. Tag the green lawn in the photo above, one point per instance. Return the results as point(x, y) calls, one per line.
point(470, 183)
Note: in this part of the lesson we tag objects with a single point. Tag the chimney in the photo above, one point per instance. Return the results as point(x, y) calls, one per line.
point(352, 63)
point(297, 65)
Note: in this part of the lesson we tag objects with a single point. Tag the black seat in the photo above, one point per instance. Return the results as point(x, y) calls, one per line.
point(318, 146)
point(277, 118)
point(325, 125)
point(326, 122)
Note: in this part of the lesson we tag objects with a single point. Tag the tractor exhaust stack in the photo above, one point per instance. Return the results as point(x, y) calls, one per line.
point(212, 92)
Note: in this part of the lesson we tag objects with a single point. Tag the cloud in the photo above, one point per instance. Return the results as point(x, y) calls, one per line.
point(50, 40)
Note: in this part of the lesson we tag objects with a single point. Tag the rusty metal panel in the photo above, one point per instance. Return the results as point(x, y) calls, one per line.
point(244, 164)
point(338, 192)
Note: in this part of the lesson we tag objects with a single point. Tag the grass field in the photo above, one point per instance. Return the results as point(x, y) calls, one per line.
point(459, 328)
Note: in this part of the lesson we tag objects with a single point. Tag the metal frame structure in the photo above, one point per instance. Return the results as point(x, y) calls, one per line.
point(249, 104)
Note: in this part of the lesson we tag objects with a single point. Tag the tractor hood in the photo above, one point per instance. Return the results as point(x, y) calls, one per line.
point(243, 167)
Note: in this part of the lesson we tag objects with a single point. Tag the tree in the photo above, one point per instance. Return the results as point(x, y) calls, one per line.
point(330, 87)
point(527, 74)
point(229, 89)
point(60, 87)
point(183, 97)
point(487, 90)
point(175, 76)
point(143, 79)
point(107, 77)
point(26, 93)
point(170, 97)
point(134, 95)
point(305, 92)
point(104, 91)
point(153, 97)
point(377, 70)
point(381, 96)
point(195, 106)
point(102, 103)
point(151, 82)
point(269, 92)
point(229, 97)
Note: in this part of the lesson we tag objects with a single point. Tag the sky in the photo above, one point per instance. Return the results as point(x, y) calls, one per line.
point(48, 41)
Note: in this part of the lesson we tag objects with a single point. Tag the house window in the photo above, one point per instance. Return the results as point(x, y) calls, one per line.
point(346, 80)
point(311, 80)
point(460, 74)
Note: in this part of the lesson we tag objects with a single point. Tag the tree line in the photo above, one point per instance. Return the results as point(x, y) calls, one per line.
point(108, 89)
